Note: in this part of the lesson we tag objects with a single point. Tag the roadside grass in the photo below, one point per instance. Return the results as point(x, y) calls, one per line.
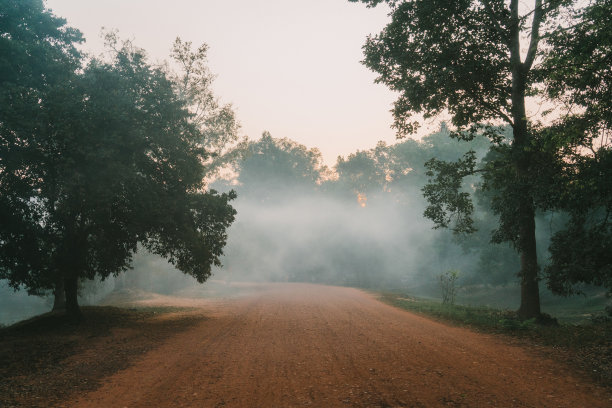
point(586, 346)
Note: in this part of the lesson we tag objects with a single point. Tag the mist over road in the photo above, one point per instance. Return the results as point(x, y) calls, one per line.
point(293, 345)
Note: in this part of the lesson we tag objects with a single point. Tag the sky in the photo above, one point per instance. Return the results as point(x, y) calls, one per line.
point(291, 67)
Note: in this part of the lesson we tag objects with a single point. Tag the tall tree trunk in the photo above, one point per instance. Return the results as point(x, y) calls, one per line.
point(72, 303)
point(59, 296)
point(530, 293)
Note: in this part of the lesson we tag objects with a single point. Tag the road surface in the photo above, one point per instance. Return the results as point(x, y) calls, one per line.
point(300, 345)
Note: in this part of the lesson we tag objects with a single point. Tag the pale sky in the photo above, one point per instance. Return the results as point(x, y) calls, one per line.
point(288, 66)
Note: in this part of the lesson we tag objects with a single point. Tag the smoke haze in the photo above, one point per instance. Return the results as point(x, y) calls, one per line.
point(360, 224)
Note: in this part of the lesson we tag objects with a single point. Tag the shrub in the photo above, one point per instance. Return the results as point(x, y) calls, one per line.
point(448, 284)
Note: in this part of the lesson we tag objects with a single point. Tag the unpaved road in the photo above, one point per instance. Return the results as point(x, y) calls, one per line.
point(298, 345)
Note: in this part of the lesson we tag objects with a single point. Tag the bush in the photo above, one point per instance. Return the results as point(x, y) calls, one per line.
point(448, 284)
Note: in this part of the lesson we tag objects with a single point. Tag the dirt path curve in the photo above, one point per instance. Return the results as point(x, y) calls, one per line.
point(299, 345)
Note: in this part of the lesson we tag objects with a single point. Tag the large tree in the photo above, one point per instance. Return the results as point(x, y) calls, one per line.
point(119, 161)
point(477, 60)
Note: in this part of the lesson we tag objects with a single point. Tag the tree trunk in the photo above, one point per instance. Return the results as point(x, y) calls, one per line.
point(530, 293)
point(72, 304)
point(59, 296)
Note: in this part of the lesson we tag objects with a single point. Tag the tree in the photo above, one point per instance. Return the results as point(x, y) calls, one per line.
point(361, 174)
point(217, 122)
point(122, 163)
point(577, 70)
point(275, 168)
point(465, 57)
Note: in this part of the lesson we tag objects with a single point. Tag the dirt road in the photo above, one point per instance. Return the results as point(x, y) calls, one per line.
point(298, 345)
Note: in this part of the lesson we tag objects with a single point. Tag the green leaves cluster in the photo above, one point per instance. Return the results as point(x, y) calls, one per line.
point(451, 206)
point(431, 54)
point(578, 73)
point(217, 122)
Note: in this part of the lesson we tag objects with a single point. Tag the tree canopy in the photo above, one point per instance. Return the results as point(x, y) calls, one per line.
point(96, 159)
point(275, 168)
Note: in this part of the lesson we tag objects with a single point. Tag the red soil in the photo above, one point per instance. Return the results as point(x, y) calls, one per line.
point(292, 345)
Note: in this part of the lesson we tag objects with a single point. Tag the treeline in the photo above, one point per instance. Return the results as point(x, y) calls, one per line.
point(361, 222)
point(101, 155)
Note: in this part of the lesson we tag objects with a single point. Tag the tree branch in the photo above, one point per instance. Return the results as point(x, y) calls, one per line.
point(491, 108)
point(515, 44)
point(501, 114)
point(538, 15)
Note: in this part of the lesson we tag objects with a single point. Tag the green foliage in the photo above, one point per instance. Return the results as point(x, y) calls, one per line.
point(279, 165)
point(98, 160)
point(577, 70)
point(544, 331)
point(38, 49)
point(516, 324)
point(361, 172)
point(580, 254)
point(216, 122)
point(449, 206)
point(481, 317)
point(399, 171)
point(448, 285)
point(432, 53)
point(37, 65)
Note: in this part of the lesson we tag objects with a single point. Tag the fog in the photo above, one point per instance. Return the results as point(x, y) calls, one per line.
point(357, 224)
point(313, 238)
point(299, 221)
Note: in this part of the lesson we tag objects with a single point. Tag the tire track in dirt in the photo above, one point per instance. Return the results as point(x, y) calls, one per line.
point(300, 345)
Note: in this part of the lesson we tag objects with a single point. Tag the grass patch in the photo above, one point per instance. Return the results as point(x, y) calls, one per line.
point(478, 316)
point(585, 346)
